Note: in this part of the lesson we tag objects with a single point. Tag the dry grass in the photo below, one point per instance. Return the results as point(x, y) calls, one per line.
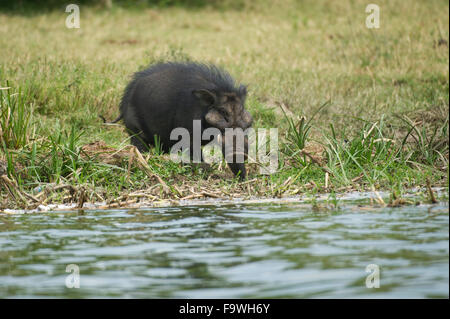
point(294, 55)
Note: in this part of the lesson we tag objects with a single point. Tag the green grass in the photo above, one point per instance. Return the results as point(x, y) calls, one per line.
point(355, 107)
point(14, 119)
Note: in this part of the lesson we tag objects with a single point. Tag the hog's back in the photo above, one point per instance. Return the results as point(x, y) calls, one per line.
point(161, 101)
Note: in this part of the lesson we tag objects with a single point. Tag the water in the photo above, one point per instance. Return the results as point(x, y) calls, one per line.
point(265, 250)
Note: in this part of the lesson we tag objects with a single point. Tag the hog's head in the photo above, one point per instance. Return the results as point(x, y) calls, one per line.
point(226, 112)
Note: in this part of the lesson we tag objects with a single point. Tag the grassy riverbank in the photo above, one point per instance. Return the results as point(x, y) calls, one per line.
point(381, 96)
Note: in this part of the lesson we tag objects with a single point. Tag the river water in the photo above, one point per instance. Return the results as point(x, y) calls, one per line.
point(258, 250)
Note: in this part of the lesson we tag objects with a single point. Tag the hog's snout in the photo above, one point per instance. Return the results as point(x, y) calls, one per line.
point(235, 150)
point(238, 168)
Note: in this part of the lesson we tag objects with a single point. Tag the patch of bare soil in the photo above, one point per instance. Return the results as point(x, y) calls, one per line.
point(100, 152)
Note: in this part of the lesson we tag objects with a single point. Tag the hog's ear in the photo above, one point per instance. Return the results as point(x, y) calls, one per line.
point(207, 97)
point(243, 90)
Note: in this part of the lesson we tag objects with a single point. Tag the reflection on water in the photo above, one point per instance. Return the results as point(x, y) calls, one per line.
point(227, 251)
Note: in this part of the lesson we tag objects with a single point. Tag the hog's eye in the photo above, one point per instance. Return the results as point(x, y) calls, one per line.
point(223, 113)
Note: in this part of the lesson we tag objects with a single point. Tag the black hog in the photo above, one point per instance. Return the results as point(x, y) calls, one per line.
point(166, 96)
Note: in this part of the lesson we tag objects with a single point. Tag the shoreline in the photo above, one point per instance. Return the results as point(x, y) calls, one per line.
point(377, 198)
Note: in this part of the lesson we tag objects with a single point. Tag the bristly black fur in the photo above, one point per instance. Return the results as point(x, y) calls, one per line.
point(172, 95)
point(215, 78)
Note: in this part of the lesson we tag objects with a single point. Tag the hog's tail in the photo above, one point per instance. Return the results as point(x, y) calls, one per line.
point(112, 122)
